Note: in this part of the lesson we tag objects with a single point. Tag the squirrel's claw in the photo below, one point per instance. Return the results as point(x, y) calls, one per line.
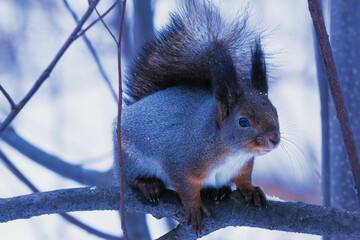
point(193, 216)
point(224, 193)
point(259, 197)
point(216, 194)
point(254, 195)
point(151, 188)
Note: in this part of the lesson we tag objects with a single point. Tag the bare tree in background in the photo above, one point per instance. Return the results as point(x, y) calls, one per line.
point(345, 40)
point(338, 181)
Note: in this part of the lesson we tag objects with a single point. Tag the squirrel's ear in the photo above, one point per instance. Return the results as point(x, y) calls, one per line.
point(258, 68)
point(224, 82)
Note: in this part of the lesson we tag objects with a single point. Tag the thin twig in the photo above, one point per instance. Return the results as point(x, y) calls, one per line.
point(12, 104)
point(88, 228)
point(97, 19)
point(93, 53)
point(118, 130)
point(14, 112)
point(107, 28)
point(66, 216)
point(338, 98)
point(17, 173)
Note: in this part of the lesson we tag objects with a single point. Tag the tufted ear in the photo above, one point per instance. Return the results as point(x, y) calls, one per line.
point(258, 68)
point(224, 81)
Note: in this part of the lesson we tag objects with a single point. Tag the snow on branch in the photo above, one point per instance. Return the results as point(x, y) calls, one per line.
point(283, 216)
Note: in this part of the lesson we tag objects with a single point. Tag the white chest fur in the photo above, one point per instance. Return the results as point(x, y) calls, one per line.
point(227, 169)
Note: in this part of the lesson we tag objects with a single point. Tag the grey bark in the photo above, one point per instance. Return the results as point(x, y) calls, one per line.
point(284, 216)
point(345, 41)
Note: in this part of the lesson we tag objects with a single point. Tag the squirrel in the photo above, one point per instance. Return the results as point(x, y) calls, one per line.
point(198, 111)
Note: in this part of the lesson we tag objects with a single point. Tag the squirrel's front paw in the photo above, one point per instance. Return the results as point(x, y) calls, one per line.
point(254, 194)
point(151, 188)
point(193, 216)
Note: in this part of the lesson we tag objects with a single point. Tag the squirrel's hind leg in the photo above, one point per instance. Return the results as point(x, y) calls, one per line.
point(188, 189)
point(151, 188)
point(216, 194)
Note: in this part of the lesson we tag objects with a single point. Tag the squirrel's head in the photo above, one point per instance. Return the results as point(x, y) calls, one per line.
point(245, 116)
point(251, 125)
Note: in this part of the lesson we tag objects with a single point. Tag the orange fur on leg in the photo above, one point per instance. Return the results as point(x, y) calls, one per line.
point(249, 191)
point(189, 192)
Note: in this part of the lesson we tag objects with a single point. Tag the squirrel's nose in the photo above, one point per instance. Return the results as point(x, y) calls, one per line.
point(275, 139)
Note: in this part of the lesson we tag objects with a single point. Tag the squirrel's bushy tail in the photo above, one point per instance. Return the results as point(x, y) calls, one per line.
point(182, 53)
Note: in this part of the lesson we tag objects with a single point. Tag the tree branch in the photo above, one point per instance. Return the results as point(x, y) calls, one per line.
point(107, 28)
point(118, 128)
point(338, 98)
point(93, 53)
point(65, 169)
point(96, 20)
point(7, 96)
point(66, 216)
point(45, 75)
point(283, 216)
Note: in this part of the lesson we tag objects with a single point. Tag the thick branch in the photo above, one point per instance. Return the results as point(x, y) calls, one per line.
point(284, 216)
point(74, 172)
point(66, 216)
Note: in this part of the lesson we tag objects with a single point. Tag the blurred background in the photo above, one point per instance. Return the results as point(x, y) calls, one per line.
point(71, 115)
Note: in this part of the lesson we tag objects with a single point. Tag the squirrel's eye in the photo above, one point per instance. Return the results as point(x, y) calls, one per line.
point(244, 122)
